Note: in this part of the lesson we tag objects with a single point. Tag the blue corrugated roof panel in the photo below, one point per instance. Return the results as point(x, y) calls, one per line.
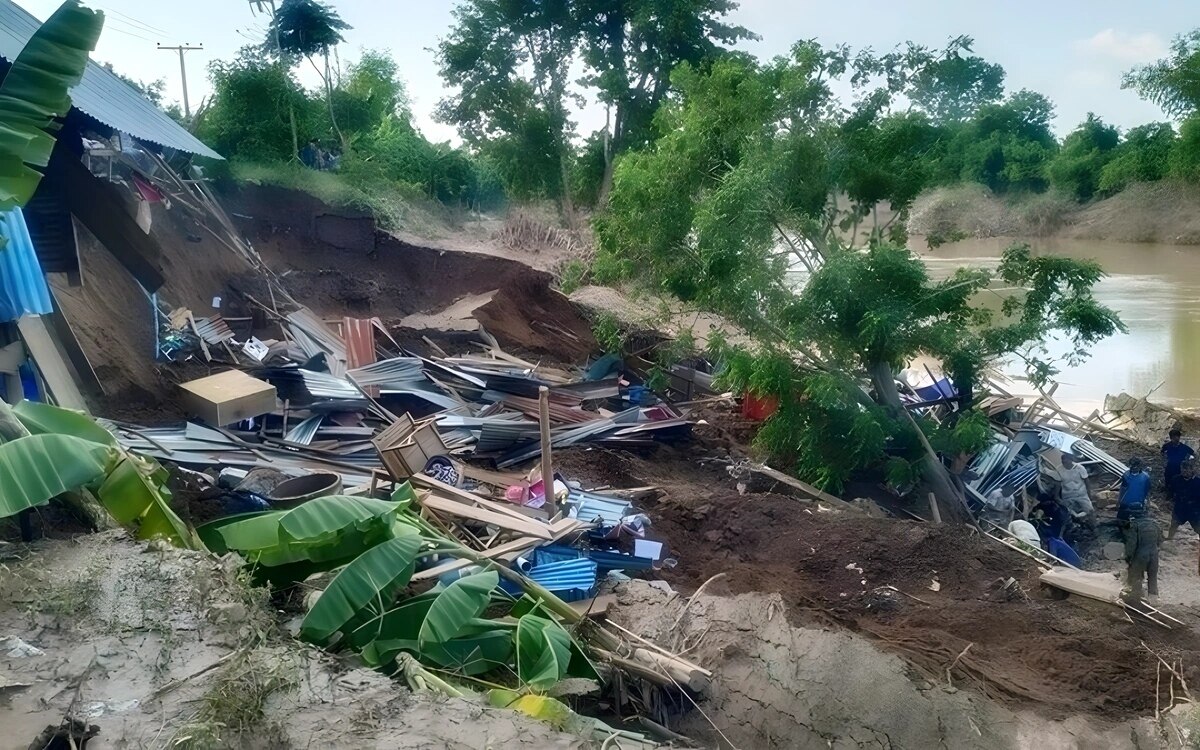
point(101, 94)
point(23, 288)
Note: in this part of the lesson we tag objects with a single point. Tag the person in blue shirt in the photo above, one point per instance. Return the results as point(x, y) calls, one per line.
point(1135, 491)
point(1174, 453)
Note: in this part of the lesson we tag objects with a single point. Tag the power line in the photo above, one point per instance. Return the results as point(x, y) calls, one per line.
point(129, 33)
point(131, 20)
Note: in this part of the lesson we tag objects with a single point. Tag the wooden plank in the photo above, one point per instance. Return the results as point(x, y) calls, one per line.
point(483, 515)
point(596, 607)
point(805, 487)
point(505, 552)
point(51, 362)
point(494, 478)
point(1100, 586)
point(458, 494)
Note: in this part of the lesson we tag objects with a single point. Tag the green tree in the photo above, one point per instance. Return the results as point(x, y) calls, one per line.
point(307, 28)
point(1184, 161)
point(1142, 156)
point(249, 112)
point(743, 186)
point(510, 63)
point(370, 93)
point(630, 48)
point(1077, 167)
point(952, 88)
point(1006, 146)
point(1173, 82)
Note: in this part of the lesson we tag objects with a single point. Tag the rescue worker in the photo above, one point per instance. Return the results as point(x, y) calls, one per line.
point(1185, 491)
point(1135, 491)
point(1073, 490)
point(1174, 453)
point(1142, 537)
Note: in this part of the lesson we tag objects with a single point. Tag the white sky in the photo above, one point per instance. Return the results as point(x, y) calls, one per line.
point(1071, 50)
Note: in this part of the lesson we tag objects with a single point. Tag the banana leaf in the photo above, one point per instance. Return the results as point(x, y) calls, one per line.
point(324, 518)
point(135, 493)
point(545, 708)
point(37, 468)
point(543, 651)
point(580, 665)
point(372, 579)
point(35, 91)
point(471, 655)
point(44, 419)
point(382, 637)
point(211, 533)
point(460, 602)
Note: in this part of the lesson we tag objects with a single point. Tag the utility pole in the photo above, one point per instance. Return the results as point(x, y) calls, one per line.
point(187, 110)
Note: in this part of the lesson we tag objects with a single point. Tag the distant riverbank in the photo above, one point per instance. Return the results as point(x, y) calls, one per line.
point(1164, 212)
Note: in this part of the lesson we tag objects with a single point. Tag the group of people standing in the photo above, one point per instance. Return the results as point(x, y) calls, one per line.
point(1142, 533)
point(1066, 514)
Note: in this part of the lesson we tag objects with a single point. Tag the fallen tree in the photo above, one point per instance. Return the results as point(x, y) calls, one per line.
point(736, 210)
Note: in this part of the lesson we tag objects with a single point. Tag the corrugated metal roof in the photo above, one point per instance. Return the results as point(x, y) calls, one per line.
point(23, 288)
point(101, 94)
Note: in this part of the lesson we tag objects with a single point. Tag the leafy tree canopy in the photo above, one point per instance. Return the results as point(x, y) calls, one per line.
point(1173, 82)
point(953, 88)
point(307, 27)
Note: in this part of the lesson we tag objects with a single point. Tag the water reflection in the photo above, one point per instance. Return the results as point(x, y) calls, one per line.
point(1156, 291)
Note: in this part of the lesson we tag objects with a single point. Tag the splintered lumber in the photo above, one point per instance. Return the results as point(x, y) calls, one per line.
point(483, 515)
point(457, 494)
point(506, 552)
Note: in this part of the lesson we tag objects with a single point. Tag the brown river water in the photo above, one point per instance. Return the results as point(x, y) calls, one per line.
point(1156, 291)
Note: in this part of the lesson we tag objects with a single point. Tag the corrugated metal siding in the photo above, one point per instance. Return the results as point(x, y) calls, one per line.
point(101, 94)
point(22, 285)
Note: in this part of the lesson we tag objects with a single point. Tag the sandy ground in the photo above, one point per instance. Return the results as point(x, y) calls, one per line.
point(820, 688)
point(158, 647)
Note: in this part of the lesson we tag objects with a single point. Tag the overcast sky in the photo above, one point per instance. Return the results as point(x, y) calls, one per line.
point(1071, 50)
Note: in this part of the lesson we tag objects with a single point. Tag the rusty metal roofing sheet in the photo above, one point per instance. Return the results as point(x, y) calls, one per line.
point(101, 94)
point(359, 337)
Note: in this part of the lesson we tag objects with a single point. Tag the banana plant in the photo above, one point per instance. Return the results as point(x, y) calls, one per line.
point(36, 91)
point(63, 450)
point(361, 610)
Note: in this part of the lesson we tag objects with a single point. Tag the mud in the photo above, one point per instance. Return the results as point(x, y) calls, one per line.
point(776, 684)
point(1054, 658)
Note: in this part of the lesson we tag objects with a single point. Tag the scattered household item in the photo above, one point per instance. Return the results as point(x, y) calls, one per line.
point(299, 489)
point(227, 398)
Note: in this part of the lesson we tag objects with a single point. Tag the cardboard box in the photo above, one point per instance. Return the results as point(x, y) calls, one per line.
point(227, 397)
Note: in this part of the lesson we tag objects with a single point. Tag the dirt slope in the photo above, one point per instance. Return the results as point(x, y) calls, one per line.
point(157, 647)
point(1055, 658)
point(813, 688)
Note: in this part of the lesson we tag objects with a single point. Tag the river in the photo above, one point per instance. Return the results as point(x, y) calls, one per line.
point(1156, 291)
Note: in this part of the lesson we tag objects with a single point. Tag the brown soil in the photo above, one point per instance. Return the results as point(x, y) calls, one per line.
point(1056, 657)
point(338, 264)
point(528, 315)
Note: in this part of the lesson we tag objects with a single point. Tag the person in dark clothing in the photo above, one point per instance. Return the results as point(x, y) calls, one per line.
point(1142, 537)
point(1185, 494)
point(1048, 516)
point(1174, 453)
point(1135, 491)
point(310, 155)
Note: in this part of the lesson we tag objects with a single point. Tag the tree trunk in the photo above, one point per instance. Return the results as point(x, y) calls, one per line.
point(952, 504)
point(568, 205)
point(329, 100)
